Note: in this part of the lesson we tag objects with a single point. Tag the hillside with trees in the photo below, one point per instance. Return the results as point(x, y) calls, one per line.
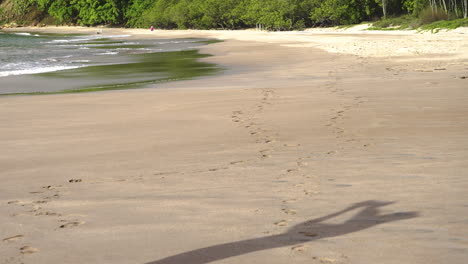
point(225, 14)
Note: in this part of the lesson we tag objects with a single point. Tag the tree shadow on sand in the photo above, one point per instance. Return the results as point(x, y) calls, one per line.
point(311, 230)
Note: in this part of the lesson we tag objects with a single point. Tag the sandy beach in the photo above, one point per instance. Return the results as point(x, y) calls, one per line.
point(323, 146)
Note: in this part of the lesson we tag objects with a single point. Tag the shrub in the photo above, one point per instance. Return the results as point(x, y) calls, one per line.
point(429, 15)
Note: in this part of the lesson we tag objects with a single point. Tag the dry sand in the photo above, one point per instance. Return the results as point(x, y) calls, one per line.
point(294, 155)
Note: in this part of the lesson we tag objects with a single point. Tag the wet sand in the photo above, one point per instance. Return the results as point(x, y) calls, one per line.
point(293, 155)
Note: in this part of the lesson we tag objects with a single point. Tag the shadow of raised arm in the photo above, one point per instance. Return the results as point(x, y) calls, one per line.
point(367, 217)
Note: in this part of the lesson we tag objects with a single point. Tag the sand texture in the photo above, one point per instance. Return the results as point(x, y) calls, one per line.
point(293, 155)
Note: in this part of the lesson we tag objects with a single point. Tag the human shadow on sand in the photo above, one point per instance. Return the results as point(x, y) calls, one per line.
point(368, 216)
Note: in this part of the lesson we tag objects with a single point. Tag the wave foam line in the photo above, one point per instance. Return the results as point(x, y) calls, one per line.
point(38, 70)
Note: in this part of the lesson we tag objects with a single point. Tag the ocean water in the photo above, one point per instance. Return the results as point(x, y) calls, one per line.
point(49, 63)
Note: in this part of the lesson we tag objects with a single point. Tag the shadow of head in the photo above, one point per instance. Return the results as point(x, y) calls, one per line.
point(368, 215)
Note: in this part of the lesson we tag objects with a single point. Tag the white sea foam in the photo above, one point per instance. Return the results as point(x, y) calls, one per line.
point(176, 42)
point(108, 53)
point(116, 36)
point(37, 70)
point(23, 34)
point(86, 38)
point(50, 59)
point(80, 61)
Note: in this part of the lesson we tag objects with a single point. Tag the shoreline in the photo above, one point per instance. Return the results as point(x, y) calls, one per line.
point(365, 43)
point(294, 155)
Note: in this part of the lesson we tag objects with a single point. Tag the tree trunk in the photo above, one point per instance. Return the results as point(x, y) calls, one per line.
point(444, 5)
point(454, 7)
point(465, 10)
point(384, 8)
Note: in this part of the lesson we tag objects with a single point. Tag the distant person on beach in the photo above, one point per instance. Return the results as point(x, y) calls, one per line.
point(151, 28)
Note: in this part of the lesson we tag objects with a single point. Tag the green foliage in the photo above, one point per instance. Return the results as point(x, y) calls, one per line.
point(339, 12)
point(414, 6)
point(21, 7)
point(401, 22)
point(444, 24)
point(137, 14)
point(93, 12)
point(61, 10)
point(433, 22)
point(273, 15)
point(234, 14)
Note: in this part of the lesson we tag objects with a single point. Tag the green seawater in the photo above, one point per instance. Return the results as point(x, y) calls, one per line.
point(150, 68)
point(54, 64)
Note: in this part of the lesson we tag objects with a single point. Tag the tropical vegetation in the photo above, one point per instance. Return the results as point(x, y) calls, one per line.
point(232, 14)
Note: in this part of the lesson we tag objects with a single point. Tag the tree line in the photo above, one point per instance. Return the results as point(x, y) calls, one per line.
point(233, 14)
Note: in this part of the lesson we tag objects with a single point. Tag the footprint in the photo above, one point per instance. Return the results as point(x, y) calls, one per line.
point(281, 223)
point(236, 162)
point(51, 187)
point(308, 234)
point(289, 211)
point(217, 169)
point(289, 201)
point(13, 202)
point(292, 145)
point(75, 180)
point(302, 163)
point(48, 214)
point(28, 250)
point(52, 197)
point(310, 192)
point(13, 238)
point(165, 173)
point(265, 153)
point(327, 260)
point(72, 224)
point(299, 248)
